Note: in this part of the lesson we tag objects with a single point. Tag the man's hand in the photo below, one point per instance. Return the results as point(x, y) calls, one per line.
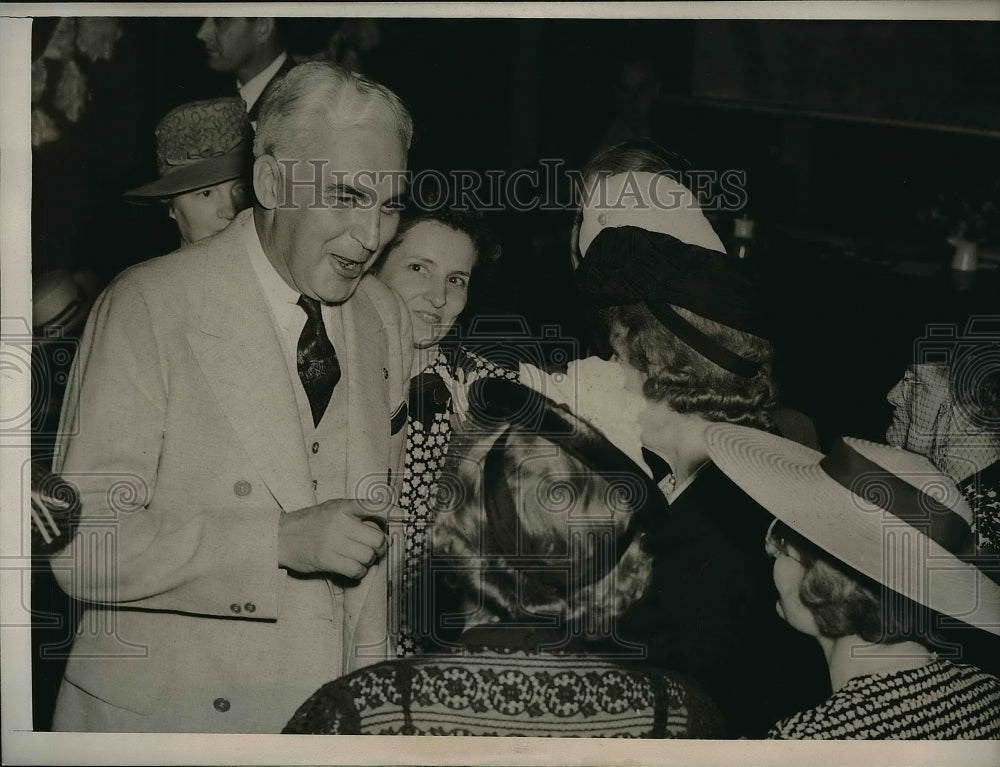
point(331, 537)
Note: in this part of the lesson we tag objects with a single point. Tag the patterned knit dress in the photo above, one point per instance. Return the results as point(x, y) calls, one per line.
point(509, 691)
point(939, 701)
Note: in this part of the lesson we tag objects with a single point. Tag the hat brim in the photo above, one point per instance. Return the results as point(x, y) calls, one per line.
point(787, 480)
point(189, 178)
point(69, 320)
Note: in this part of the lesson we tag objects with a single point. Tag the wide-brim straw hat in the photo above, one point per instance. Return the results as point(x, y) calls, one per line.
point(887, 513)
point(199, 144)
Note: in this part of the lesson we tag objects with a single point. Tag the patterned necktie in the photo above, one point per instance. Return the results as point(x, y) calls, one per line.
point(319, 370)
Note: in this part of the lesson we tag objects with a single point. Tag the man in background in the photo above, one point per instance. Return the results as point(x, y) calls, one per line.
point(253, 49)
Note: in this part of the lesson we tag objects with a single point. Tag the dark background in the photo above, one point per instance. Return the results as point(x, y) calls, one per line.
point(859, 140)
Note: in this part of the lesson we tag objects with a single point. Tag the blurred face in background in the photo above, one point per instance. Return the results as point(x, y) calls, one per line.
point(229, 41)
point(204, 212)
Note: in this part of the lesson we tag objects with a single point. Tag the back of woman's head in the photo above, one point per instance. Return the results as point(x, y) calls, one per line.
point(974, 380)
point(687, 381)
point(636, 155)
point(531, 531)
point(845, 603)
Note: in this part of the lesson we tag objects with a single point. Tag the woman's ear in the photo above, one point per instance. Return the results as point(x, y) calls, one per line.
point(267, 181)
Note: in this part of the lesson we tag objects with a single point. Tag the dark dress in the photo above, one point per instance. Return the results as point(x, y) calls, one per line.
point(710, 610)
point(500, 688)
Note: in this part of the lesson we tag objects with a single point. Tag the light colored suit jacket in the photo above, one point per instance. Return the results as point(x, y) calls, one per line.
point(183, 435)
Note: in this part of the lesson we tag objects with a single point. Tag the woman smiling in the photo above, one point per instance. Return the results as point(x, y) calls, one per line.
point(431, 263)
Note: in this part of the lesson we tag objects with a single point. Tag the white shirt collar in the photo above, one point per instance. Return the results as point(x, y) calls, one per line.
point(279, 294)
point(251, 90)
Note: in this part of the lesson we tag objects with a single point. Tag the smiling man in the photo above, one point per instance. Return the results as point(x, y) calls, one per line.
point(246, 392)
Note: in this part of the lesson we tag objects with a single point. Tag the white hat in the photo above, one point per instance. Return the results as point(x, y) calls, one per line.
point(883, 511)
point(651, 201)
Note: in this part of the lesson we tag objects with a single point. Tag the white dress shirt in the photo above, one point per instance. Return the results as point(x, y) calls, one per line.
point(251, 90)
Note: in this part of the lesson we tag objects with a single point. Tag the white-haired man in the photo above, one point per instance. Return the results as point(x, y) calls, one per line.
point(233, 428)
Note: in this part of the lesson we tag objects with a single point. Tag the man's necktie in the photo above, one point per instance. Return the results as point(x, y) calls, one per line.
point(319, 370)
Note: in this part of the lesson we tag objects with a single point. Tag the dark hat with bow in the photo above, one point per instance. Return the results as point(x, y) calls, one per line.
point(628, 265)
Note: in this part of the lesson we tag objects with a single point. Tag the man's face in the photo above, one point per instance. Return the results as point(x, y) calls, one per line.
point(325, 235)
point(205, 212)
point(229, 41)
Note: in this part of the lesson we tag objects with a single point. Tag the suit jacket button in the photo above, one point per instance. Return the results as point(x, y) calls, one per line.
point(315, 447)
point(250, 607)
point(242, 488)
point(235, 608)
point(385, 374)
point(221, 704)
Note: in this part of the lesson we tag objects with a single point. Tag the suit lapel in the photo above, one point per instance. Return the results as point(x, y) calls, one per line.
point(368, 414)
point(254, 113)
point(239, 353)
point(367, 438)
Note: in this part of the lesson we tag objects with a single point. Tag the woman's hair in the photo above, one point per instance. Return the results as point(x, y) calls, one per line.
point(341, 98)
point(469, 222)
point(566, 518)
point(844, 602)
point(974, 383)
point(637, 155)
point(690, 383)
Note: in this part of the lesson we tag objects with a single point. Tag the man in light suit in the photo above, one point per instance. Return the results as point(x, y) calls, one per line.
point(234, 427)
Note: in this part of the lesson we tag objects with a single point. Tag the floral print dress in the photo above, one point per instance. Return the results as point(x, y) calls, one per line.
point(429, 430)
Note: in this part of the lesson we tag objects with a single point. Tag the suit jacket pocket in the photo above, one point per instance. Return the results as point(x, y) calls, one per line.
point(115, 665)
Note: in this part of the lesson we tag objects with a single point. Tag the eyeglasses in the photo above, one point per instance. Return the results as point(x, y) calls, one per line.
point(775, 545)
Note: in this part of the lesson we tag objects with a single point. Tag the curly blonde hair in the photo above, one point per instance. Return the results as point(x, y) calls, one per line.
point(567, 520)
point(684, 379)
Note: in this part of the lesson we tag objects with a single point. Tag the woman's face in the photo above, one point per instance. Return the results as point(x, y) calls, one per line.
point(788, 573)
point(654, 419)
point(575, 256)
point(927, 421)
point(431, 269)
point(207, 211)
point(918, 401)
